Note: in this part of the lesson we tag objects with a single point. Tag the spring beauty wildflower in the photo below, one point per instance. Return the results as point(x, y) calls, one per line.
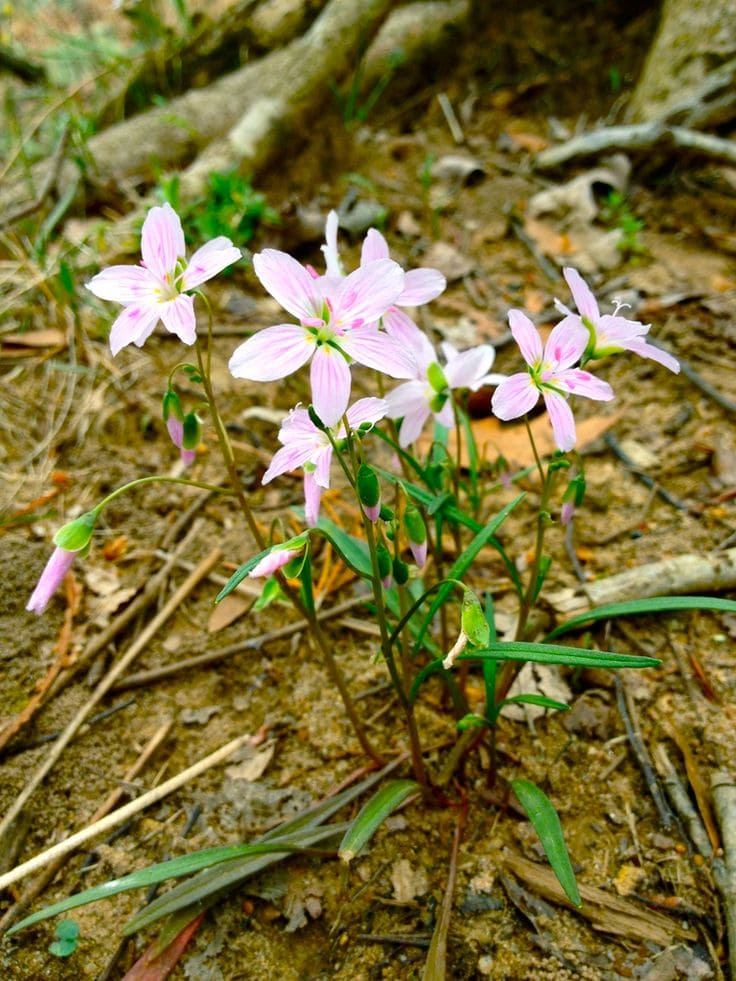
point(337, 325)
point(550, 374)
point(51, 578)
point(428, 393)
point(306, 446)
point(609, 333)
point(158, 288)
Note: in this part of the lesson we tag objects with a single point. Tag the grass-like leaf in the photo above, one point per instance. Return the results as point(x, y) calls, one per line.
point(372, 814)
point(580, 657)
point(546, 823)
point(655, 604)
point(531, 699)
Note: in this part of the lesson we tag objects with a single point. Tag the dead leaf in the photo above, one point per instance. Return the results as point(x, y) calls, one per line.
point(407, 881)
point(102, 580)
point(227, 611)
point(511, 440)
point(115, 549)
point(253, 767)
point(49, 337)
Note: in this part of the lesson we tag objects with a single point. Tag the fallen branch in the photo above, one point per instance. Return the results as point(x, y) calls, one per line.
point(608, 913)
point(638, 137)
point(724, 795)
point(709, 573)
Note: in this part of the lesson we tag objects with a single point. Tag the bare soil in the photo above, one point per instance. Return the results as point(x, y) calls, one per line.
point(99, 425)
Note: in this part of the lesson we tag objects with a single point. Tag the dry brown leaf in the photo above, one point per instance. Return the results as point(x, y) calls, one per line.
point(227, 612)
point(547, 237)
point(253, 767)
point(511, 441)
point(48, 337)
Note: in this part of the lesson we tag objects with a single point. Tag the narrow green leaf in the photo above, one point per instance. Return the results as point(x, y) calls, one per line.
point(461, 565)
point(372, 814)
point(541, 700)
point(426, 672)
point(239, 575)
point(546, 823)
point(655, 604)
point(581, 657)
point(351, 550)
point(226, 875)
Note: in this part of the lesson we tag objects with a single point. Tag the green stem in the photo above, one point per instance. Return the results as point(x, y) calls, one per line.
point(157, 479)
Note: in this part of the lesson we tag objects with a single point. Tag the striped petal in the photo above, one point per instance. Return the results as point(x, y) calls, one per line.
point(162, 241)
point(272, 353)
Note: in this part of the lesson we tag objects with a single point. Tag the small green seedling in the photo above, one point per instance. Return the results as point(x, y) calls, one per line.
point(67, 939)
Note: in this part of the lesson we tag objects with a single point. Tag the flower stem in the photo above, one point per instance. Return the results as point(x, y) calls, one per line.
point(322, 643)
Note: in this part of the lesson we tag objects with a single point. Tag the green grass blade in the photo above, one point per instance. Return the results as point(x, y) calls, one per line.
point(225, 876)
point(655, 604)
point(540, 700)
point(352, 551)
point(173, 869)
point(372, 814)
point(581, 657)
point(546, 823)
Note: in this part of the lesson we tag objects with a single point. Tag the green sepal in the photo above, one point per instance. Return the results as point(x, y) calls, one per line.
point(436, 377)
point(384, 560)
point(171, 405)
point(77, 534)
point(315, 419)
point(575, 491)
point(414, 526)
point(271, 593)
point(400, 571)
point(192, 432)
point(386, 513)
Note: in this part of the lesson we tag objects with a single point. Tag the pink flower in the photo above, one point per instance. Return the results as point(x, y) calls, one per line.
point(609, 333)
point(550, 374)
point(51, 578)
point(157, 288)
point(275, 560)
point(420, 285)
point(567, 512)
point(337, 324)
point(307, 447)
point(429, 391)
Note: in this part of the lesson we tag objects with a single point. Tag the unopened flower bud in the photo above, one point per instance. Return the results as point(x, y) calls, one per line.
point(401, 571)
point(416, 534)
point(384, 564)
point(369, 491)
point(472, 620)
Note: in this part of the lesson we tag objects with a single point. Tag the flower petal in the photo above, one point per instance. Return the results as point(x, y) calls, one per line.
point(584, 299)
point(579, 382)
point(288, 458)
point(51, 578)
point(515, 396)
point(178, 317)
point(366, 294)
point(407, 398)
point(162, 241)
point(123, 284)
point(276, 559)
point(208, 261)
point(380, 351)
point(562, 419)
point(566, 343)
point(322, 460)
point(467, 369)
point(289, 283)
point(403, 329)
point(413, 424)
point(312, 498)
point(272, 353)
point(330, 380)
point(134, 325)
point(366, 410)
point(526, 336)
point(645, 350)
point(329, 249)
point(421, 286)
point(374, 247)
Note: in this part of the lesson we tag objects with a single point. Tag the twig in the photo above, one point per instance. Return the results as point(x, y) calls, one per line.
point(122, 814)
point(681, 802)
point(724, 796)
point(453, 123)
point(49, 873)
point(639, 136)
point(212, 657)
point(51, 737)
point(108, 681)
point(628, 713)
point(682, 574)
point(648, 481)
point(549, 269)
point(435, 968)
point(687, 369)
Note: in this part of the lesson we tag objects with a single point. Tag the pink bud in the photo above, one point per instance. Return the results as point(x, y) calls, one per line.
point(51, 578)
point(373, 512)
point(272, 562)
point(175, 428)
point(419, 551)
point(567, 511)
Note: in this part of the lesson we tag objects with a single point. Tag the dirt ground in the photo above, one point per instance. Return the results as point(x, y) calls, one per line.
point(76, 425)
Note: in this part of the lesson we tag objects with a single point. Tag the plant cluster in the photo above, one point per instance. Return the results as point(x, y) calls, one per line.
point(429, 612)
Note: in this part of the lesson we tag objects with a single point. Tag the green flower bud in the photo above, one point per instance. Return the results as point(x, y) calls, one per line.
point(414, 526)
point(472, 620)
point(369, 490)
point(76, 535)
point(384, 560)
point(436, 377)
point(401, 571)
point(192, 435)
point(171, 405)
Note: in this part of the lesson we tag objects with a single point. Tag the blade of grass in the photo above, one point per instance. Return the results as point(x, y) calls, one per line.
point(546, 823)
point(657, 604)
point(372, 815)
